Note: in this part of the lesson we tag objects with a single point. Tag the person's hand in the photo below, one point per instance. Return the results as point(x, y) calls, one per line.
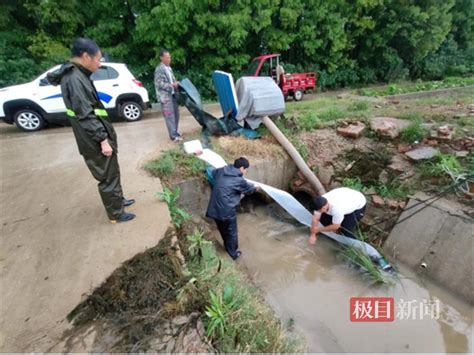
point(198, 152)
point(258, 186)
point(312, 239)
point(175, 84)
point(106, 148)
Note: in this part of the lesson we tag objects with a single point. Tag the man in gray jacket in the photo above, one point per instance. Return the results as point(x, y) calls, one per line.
point(166, 88)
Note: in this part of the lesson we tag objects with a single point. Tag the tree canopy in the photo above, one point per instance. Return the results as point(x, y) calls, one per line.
point(346, 41)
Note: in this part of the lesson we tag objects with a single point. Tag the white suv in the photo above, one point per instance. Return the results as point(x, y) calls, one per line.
point(32, 105)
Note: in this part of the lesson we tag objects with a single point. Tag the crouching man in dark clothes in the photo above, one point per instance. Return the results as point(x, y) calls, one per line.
point(225, 197)
point(341, 208)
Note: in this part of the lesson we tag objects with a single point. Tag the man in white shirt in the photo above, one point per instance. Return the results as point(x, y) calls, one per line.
point(341, 208)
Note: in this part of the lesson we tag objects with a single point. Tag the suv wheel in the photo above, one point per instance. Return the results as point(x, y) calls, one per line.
point(131, 111)
point(28, 120)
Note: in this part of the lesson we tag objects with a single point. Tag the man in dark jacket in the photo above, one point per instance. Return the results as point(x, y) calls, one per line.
point(225, 197)
point(95, 135)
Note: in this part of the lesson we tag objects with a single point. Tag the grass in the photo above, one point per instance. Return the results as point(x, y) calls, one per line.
point(392, 189)
point(449, 171)
point(365, 263)
point(406, 87)
point(182, 275)
point(333, 113)
point(308, 121)
point(358, 106)
point(467, 122)
point(413, 132)
point(236, 318)
point(353, 183)
point(178, 215)
point(441, 165)
point(412, 116)
point(175, 164)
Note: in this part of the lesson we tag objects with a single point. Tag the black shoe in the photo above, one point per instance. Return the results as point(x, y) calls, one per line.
point(127, 203)
point(237, 254)
point(124, 217)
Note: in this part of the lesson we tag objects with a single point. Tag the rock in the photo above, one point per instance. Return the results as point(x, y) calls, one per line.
point(393, 204)
point(301, 176)
point(298, 182)
point(401, 205)
point(378, 106)
point(445, 132)
point(403, 148)
point(180, 320)
point(462, 154)
point(422, 153)
point(384, 176)
point(459, 115)
point(468, 142)
point(170, 346)
point(395, 102)
point(434, 106)
point(353, 130)
point(377, 200)
point(388, 126)
point(470, 107)
point(398, 164)
point(325, 175)
point(432, 142)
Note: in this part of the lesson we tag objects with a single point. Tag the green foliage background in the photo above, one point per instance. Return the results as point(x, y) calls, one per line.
point(347, 42)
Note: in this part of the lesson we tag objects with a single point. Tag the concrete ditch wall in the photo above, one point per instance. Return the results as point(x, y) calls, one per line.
point(439, 242)
point(276, 172)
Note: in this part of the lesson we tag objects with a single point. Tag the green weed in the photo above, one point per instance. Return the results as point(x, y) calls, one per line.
point(441, 165)
point(413, 132)
point(219, 310)
point(236, 318)
point(308, 121)
point(393, 189)
point(412, 116)
point(164, 165)
point(197, 244)
point(365, 263)
point(178, 215)
point(353, 183)
point(175, 163)
point(332, 113)
point(406, 87)
point(358, 106)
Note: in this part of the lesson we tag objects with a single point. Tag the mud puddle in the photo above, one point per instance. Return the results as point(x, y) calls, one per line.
point(310, 287)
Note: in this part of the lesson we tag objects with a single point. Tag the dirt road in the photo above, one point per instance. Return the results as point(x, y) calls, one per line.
point(56, 242)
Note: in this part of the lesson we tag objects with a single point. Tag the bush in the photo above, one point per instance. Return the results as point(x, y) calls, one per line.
point(308, 121)
point(413, 132)
point(359, 106)
point(175, 163)
point(162, 166)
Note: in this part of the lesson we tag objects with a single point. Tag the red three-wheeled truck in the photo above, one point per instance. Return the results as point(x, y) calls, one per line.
point(294, 85)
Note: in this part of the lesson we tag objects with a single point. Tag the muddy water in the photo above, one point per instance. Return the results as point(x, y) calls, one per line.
point(309, 288)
